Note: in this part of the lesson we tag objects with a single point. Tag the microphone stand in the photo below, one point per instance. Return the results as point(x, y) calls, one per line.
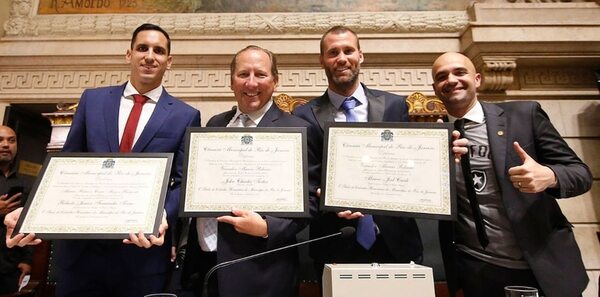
point(344, 232)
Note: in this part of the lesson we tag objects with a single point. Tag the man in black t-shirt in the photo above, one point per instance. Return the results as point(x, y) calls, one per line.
point(15, 263)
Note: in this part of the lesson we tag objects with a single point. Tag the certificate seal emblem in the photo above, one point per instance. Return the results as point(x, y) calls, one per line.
point(108, 164)
point(387, 136)
point(247, 140)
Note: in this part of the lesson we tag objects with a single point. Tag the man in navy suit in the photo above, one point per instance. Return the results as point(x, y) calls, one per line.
point(254, 77)
point(519, 166)
point(395, 239)
point(138, 265)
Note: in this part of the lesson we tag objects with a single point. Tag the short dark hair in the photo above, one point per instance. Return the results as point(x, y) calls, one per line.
point(153, 27)
point(338, 30)
point(274, 70)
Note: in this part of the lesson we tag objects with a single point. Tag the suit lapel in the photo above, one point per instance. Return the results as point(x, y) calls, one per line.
point(161, 113)
point(228, 117)
point(376, 106)
point(497, 137)
point(272, 115)
point(323, 110)
point(111, 116)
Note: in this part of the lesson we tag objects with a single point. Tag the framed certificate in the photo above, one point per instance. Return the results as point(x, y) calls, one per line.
point(97, 196)
point(258, 169)
point(400, 169)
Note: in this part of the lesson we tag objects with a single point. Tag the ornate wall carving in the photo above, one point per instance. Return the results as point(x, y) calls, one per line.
point(193, 82)
point(547, 1)
point(497, 73)
point(23, 22)
point(497, 76)
point(556, 78)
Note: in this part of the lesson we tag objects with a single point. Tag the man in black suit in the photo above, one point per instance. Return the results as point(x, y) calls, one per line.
point(254, 77)
point(519, 166)
point(393, 239)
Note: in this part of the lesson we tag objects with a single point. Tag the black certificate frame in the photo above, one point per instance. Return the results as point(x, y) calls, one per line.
point(108, 159)
point(227, 206)
point(447, 212)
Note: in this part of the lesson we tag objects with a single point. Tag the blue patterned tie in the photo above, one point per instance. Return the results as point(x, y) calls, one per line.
point(348, 107)
point(365, 230)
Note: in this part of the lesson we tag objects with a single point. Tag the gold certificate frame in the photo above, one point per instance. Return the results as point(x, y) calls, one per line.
point(258, 169)
point(97, 196)
point(399, 169)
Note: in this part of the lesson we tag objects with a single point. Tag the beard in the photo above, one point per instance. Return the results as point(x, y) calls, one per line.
point(5, 160)
point(343, 82)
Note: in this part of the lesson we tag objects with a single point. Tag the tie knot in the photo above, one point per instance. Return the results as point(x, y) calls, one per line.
point(459, 124)
point(244, 120)
point(349, 103)
point(139, 99)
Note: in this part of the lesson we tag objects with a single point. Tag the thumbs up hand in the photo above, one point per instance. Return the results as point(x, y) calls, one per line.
point(531, 177)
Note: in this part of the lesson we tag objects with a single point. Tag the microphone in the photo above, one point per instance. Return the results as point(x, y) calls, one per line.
point(344, 233)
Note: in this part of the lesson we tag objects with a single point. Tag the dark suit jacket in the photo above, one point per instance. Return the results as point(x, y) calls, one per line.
point(542, 231)
point(95, 129)
point(275, 275)
point(400, 235)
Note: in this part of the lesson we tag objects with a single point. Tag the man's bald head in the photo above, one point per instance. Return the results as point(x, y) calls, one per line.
point(455, 82)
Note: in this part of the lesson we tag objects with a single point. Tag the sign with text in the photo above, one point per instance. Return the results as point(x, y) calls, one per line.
point(113, 6)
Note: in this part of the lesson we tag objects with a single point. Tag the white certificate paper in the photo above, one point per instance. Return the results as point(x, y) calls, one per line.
point(389, 168)
point(96, 196)
point(258, 169)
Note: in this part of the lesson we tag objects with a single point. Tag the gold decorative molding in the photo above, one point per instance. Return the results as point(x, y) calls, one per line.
point(60, 118)
point(423, 108)
point(497, 73)
point(24, 22)
point(287, 103)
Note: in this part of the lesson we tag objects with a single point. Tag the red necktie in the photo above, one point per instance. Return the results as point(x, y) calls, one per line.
point(132, 122)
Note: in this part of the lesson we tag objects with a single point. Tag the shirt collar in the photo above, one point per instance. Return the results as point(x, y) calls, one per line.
point(255, 116)
point(475, 114)
point(153, 94)
point(337, 99)
point(11, 171)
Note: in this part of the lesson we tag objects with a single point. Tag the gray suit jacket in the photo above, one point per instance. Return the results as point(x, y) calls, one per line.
point(542, 231)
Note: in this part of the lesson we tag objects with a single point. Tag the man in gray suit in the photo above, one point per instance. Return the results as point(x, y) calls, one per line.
point(519, 165)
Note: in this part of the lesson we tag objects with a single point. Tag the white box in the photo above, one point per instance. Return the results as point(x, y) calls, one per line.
point(377, 280)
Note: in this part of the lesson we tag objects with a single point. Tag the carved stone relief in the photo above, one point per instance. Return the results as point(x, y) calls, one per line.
point(203, 81)
point(24, 22)
point(556, 78)
point(545, 1)
point(497, 73)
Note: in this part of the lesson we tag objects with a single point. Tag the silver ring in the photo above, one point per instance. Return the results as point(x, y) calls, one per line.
point(519, 185)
